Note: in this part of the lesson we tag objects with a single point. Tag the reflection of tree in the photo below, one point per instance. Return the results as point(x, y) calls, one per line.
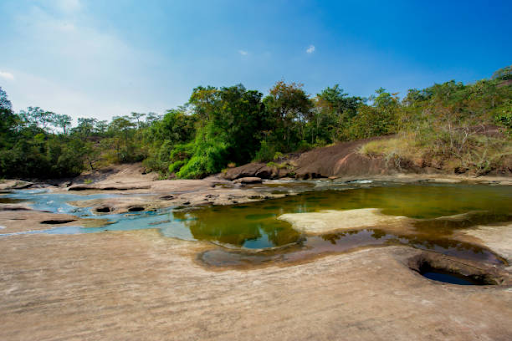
point(378, 234)
point(333, 237)
point(227, 226)
point(445, 226)
point(443, 245)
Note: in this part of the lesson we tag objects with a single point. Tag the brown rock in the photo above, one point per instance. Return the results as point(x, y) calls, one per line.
point(260, 170)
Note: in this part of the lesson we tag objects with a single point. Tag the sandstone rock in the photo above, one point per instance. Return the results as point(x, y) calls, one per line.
point(331, 220)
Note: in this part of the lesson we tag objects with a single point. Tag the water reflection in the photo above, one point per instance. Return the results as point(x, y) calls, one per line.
point(255, 225)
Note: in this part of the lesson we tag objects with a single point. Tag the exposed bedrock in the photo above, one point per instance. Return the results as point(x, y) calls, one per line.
point(339, 160)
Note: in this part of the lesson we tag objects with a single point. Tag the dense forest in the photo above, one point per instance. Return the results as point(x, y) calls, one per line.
point(222, 127)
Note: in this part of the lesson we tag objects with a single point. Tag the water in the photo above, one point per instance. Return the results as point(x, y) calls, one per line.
point(449, 277)
point(255, 225)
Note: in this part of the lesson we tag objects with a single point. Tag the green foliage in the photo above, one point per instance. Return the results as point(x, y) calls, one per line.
point(278, 155)
point(503, 74)
point(265, 153)
point(176, 166)
point(503, 117)
point(441, 125)
point(208, 154)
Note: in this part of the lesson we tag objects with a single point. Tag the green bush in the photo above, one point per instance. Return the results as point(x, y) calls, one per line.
point(176, 166)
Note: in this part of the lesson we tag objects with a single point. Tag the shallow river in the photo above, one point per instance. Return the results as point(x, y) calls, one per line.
point(255, 225)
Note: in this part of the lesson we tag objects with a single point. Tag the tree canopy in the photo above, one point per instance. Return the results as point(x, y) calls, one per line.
point(233, 125)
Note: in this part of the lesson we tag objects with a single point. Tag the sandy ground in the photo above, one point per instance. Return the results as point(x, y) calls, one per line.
point(139, 286)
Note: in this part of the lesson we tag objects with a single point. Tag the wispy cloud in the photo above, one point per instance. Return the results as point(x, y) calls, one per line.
point(68, 6)
point(87, 56)
point(243, 52)
point(6, 75)
point(311, 49)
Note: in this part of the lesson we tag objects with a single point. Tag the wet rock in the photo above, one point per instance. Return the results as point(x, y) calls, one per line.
point(498, 238)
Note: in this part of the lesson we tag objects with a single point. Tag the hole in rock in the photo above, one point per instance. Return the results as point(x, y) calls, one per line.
point(55, 222)
point(136, 209)
point(441, 268)
point(450, 277)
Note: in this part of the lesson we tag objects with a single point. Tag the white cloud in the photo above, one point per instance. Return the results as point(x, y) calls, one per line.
point(311, 49)
point(68, 6)
point(243, 52)
point(6, 75)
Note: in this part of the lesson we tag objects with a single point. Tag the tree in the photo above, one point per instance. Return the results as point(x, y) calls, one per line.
point(503, 74)
point(37, 117)
point(335, 109)
point(229, 124)
point(5, 104)
point(63, 122)
point(86, 126)
point(289, 108)
point(7, 120)
point(137, 116)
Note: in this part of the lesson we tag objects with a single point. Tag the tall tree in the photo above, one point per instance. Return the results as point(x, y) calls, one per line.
point(289, 108)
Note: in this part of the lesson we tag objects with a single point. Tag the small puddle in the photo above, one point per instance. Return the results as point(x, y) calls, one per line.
point(313, 246)
point(452, 270)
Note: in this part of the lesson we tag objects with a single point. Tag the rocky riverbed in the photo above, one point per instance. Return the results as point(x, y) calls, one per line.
point(139, 285)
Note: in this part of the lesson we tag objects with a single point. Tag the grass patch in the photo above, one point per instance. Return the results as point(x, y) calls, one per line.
point(459, 153)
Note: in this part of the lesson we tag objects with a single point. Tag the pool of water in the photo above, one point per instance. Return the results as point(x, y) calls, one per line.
point(449, 277)
point(255, 225)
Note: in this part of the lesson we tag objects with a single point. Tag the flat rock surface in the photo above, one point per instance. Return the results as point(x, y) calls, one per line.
point(331, 220)
point(139, 286)
point(498, 238)
point(21, 221)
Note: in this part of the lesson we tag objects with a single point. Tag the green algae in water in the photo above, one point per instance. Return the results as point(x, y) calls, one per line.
point(260, 216)
point(256, 225)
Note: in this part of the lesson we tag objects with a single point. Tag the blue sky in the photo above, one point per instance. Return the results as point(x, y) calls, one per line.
point(104, 58)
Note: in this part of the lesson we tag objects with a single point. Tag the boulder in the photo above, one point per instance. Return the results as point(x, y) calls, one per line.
point(255, 169)
point(248, 180)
